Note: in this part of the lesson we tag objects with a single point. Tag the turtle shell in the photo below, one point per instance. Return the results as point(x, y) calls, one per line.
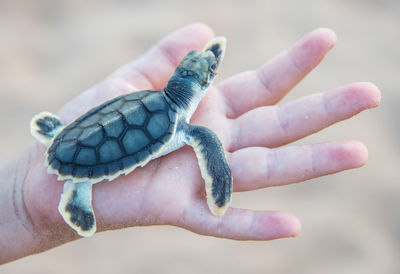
point(114, 137)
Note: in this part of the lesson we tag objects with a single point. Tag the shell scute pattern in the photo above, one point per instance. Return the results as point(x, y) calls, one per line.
point(86, 156)
point(89, 121)
point(115, 128)
point(111, 107)
point(134, 113)
point(109, 151)
point(157, 125)
point(91, 136)
point(72, 134)
point(66, 151)
point(154, 105)
point(134, 140)
point(113, 137)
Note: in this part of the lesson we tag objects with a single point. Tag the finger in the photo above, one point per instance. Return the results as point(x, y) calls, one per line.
point(272, 81)
point(254, 168)
point(278, 125)
point(156, 66)
point(241, 224)
point(151, 71)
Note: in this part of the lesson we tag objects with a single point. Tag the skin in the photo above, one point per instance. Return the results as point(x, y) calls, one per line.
point(170, 190)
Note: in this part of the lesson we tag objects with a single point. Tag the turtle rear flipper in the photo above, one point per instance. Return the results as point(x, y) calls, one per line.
point(76, 207)
point(213, 166)
point(45, 126)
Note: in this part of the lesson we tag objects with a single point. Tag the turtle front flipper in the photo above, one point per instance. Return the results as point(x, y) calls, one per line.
point(213, 166)
point(76, 207)
point(45, 126)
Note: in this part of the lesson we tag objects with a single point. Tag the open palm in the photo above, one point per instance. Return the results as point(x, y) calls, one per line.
point(242, 112)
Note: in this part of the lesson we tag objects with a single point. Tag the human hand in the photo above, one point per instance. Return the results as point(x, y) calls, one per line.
point(242, 111)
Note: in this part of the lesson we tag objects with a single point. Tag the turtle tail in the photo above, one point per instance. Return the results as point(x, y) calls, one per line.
point(45, 126)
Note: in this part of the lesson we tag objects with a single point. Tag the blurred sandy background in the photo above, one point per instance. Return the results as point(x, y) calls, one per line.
point(50, 52)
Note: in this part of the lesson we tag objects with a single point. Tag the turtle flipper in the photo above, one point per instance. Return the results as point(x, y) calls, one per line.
point(45, 126)
point(76, 207)
point(213, 166)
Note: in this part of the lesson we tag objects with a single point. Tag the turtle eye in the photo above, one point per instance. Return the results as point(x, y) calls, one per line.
point(213, 68)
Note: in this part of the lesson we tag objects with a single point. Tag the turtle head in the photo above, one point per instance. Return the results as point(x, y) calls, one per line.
point(200, 67)
point(196, 72)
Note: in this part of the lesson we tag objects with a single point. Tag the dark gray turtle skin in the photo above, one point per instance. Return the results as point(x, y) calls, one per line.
point(114, 137)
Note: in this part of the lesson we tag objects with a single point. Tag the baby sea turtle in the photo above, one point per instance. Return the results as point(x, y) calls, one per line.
point(130, 130)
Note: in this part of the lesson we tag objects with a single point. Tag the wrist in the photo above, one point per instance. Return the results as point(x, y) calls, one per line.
point(24, 230)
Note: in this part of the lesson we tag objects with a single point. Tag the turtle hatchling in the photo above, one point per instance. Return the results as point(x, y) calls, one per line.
point(130, 130)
